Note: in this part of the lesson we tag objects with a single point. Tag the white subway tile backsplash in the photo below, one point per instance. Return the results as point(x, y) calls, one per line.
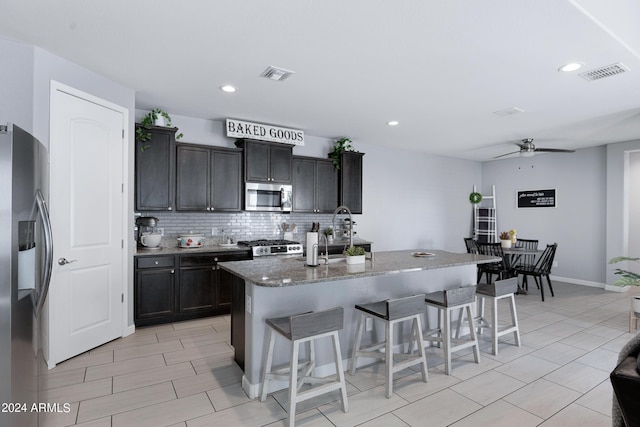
point(241, 225)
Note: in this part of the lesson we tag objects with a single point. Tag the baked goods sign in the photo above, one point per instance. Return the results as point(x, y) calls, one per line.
point(240, 129)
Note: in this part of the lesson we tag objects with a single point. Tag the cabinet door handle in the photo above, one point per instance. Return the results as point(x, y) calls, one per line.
point(156, 262)
point(169, 208)
point(173, 271)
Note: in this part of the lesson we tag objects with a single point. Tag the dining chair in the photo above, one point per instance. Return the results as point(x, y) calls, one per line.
point(541, 269)
point(526, 259)
point(472, 248)
point(499, 268)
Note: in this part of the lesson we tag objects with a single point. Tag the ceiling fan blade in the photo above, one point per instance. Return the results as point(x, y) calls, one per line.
point(555, 150)
point(508, 154)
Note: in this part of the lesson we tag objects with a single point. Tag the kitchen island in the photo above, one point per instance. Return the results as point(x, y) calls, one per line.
point(280, 286)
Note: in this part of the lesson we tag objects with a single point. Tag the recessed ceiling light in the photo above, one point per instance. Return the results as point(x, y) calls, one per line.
point(392, 123)
point(572, 66)
point(228, 88)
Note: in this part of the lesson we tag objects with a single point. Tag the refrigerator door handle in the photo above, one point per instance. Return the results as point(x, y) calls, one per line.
point(48, 252)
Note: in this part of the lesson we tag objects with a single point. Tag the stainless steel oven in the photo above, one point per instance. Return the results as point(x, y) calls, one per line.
point(268, 197)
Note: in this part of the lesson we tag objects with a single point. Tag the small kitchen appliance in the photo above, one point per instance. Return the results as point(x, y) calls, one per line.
point(272, 247)
point(147, 232)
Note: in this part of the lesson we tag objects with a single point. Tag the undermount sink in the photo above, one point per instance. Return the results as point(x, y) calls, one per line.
point(333, 259)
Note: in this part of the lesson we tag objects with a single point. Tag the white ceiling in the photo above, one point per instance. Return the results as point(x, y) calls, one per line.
point(441, 68)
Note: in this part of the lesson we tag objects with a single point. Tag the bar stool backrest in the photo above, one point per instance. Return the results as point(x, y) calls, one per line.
point(506, 286)
point(316, 323)
point(457, 296)
point(403, 307)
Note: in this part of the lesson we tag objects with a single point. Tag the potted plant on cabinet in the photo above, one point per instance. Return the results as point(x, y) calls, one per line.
point(155, 117)
point(355, 255)
point(339, 147)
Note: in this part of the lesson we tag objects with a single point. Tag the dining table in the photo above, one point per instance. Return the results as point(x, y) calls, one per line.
point(514, 254)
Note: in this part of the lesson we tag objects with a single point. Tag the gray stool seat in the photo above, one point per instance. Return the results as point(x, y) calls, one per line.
point(446, 301)
point(305, 328)
point(500, 289)
point(390, 312)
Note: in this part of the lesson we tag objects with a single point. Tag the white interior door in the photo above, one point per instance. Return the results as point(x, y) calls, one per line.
point(86, 200)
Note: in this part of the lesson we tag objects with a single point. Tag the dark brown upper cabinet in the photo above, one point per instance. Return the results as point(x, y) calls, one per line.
point(155, 170)
point(266, 161)
point(315, 185)
point(350, 181)
point(208, 179)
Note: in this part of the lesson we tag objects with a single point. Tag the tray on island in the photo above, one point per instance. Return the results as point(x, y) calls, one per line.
point(422, 254)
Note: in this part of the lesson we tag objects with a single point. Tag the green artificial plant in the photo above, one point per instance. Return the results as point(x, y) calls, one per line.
point(339, 147)
point(629, 278)
point(354, 251)
point(142, 132)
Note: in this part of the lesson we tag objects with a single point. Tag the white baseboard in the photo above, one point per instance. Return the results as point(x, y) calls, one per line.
point(579, 282)
point(614, 288)
point(130, 330)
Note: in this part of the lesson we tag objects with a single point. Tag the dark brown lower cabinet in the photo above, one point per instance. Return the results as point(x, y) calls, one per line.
point(155, 290)
point(197, 289)
point(171, 288)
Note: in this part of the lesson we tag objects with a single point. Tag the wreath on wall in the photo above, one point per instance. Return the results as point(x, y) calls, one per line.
point(475, 198)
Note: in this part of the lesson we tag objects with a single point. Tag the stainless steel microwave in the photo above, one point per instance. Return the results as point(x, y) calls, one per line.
point(268, 197)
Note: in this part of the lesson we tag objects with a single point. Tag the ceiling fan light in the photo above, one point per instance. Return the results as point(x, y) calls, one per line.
point(526, 154)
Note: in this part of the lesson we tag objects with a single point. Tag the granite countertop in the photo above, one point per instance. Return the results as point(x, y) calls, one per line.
point(173, 250)
point(278, 271)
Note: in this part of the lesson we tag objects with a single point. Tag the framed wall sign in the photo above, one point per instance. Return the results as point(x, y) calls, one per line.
point(536, 198)
point(240, 129)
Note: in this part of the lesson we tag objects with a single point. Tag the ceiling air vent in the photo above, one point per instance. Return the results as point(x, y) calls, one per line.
point(508, 111)
point(277, 74)
point(603, 72)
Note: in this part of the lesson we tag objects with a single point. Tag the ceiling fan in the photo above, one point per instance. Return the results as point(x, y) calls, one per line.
point(527, 149)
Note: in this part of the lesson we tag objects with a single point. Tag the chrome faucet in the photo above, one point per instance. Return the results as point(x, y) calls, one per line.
point(326, 249)
point(333, 222)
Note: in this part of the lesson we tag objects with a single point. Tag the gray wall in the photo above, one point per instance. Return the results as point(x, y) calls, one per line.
point(16, 90)
point(577, 224)
point(633, 194)
point(617, 164)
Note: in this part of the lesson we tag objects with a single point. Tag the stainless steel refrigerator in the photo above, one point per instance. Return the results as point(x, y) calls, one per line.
point(26, 251)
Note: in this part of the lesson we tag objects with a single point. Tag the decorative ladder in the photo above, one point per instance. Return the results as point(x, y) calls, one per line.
point(485, 218)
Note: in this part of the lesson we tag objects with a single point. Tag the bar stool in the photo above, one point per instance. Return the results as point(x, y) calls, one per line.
point(494, 292)
point(391, 312)
point(446, 301)
point(305, 328)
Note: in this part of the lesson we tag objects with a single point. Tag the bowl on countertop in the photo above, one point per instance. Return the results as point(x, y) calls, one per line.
point(190, 240)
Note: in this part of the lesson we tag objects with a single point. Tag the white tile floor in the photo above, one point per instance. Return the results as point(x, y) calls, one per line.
point(183, 374)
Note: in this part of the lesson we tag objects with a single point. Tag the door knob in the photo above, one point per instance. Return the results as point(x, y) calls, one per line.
point(63, 261)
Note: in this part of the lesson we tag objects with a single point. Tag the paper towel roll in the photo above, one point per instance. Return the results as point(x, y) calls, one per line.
point(312, 239)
